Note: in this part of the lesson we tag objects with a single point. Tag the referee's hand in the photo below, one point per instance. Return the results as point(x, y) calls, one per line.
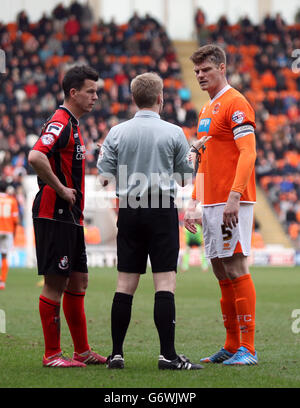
point(191, 218)
point(201, 142)
point(190, 225)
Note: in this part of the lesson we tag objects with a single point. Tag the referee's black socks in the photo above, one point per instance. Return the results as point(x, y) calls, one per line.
point(120, 319)
point(164, 318)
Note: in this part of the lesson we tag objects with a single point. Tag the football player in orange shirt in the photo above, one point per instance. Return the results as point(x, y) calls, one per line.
point(9, 217)
point(225, 186)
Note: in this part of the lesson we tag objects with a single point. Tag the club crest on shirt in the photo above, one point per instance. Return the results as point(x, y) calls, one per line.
point(238, 117)
point(216, 108)
point(47, 139)
point(55, 128)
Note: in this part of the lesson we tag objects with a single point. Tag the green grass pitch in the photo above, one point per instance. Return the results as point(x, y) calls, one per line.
point(199, 332)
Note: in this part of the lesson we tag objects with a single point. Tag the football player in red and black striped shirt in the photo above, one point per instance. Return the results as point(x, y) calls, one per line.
point(58, 158)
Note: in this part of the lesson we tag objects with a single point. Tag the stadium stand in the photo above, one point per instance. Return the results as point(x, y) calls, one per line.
point(38, 53)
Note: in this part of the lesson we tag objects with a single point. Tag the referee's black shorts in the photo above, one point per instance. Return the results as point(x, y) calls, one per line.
point(60, 247)
point(148, 231)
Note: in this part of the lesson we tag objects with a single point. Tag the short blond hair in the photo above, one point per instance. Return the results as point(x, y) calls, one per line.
point(145, 89)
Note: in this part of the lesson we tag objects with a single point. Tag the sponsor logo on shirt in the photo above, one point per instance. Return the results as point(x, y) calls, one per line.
point(226, 246)
point(80, 149)
point(47, 139)
point(204, 125)
point(238, 117)
point(55, 128)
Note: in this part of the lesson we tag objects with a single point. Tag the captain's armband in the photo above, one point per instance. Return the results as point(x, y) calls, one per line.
point(242, 131)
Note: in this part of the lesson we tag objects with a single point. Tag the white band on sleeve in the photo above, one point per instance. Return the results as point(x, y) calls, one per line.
point(242, 131)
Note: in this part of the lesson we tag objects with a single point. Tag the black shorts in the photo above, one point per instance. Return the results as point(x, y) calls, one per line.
point(147, 231)
point(60, 247)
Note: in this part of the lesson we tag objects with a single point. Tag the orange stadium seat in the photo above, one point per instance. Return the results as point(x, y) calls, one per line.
point(211, 27)
point(146, 60)
point(108, 83)
point(123, 27)
point(20, 237)
point(234, 27)
point(59, 36)
point(294, 230)
point(95, 36)
point(122, 59)
point(26, 36)
point(92, 235)
point(257, 241)
point(116, 107)
point(293, 158)
point(134, 60)
point(264, 181)
point(232, 49)
point(12, 27)
point(268, 80)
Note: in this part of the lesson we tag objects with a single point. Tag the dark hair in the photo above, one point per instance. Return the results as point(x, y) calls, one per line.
point(3, 186)
point(211, 52)
point(75, 77)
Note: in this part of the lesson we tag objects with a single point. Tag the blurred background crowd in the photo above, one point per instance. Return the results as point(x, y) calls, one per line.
point(261, 64)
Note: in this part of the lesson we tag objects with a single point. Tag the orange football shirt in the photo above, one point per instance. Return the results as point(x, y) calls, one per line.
point(9, 213)
point(217, 167)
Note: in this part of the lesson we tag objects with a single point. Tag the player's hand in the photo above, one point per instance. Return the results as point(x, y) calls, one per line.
point(68, 194)
point(192, 217)
point(201, 142)
point(231, 210)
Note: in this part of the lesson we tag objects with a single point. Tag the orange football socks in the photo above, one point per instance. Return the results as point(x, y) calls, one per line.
point(245, 300)
point(4, 269)
point(232, 342)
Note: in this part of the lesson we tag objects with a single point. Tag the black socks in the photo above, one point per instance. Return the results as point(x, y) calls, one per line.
point(120, 319)
point(164, 318)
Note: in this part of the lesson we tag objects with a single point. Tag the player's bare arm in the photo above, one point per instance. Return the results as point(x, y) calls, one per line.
point(40, 163)
point(246, 162)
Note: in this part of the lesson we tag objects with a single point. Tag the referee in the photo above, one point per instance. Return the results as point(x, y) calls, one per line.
point(142, 155)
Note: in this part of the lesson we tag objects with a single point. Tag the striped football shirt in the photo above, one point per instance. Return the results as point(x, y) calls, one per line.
point(62, 143)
